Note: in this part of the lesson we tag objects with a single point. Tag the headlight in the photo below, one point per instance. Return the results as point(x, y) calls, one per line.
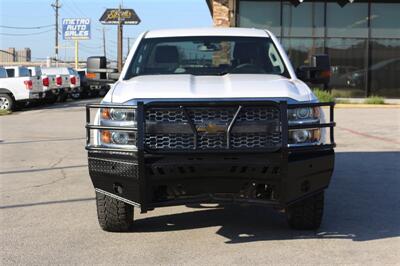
point(117, 114)
point(117, 117)
point(307, 115)
point(304, 114)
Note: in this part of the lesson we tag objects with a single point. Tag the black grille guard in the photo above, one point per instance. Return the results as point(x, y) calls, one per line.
point(141, 108)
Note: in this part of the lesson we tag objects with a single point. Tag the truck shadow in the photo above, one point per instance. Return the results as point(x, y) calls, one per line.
point(362, 204)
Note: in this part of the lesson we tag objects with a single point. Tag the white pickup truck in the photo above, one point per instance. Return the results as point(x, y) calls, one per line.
point(48, 82)
point(18, 87)
point(67, 79)
point(214, 115)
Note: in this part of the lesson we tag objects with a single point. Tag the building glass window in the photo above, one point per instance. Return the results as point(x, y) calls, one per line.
point(349, 21)
point(385, 21)
point(349, 64)
point(300, 50)
point(385, 67)
point(363, 59)
point(260, 14)
point(385, 50)
point(304, 20)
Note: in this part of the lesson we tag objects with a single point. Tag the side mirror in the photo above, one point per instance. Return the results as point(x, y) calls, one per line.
point(318, 72)
point(96, 66)
point(97, 69)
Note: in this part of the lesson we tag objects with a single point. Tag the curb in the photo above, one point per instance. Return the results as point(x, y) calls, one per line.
point(360, 105)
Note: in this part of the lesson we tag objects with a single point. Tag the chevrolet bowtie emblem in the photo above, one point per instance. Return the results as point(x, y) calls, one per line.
point(211, 128)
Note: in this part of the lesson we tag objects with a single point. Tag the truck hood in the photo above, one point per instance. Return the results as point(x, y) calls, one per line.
point(182, 86)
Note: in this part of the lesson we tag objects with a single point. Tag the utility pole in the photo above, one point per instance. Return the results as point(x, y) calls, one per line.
point(129, 46)
point(56, 6)
point(76, 54)
point(120, 29)
point(104, 42)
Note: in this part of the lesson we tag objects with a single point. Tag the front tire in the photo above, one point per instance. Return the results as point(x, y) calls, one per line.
point(7, 102)
point(307, 213)
point(113, 215)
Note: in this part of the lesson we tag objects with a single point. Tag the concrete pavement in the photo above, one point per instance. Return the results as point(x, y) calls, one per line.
point(48, 215)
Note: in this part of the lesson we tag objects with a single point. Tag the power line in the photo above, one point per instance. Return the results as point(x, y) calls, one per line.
point(27, 28)
point(91, 47)
point(24, 34)
point(77, 8)
point(70, 10)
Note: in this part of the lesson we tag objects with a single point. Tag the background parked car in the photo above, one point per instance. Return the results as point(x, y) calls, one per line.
point(18, 87)
point(385, 75)
point(339, 76)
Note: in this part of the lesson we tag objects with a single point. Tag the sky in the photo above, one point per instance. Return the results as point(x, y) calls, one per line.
point(154, 14)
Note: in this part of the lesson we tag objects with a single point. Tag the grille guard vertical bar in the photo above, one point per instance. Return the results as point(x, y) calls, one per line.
point(228, 131)
point(283, 108)
point(331, 120)
point(284, 125)
point(140, 111)
point(192, 126)
point(87, 125)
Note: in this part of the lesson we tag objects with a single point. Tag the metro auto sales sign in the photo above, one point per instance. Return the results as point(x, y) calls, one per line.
point(76, 28)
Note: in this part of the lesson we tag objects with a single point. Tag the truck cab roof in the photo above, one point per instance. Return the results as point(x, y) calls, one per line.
point(242, 32)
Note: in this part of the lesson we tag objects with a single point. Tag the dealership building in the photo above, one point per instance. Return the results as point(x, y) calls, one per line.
point(362, 38)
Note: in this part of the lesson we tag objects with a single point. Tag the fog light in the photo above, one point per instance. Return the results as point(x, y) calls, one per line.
point(121, 138)
point(300, 136)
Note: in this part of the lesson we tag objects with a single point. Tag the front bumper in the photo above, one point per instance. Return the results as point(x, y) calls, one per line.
point(149, 179)
point(181, 179)
point(35, 95)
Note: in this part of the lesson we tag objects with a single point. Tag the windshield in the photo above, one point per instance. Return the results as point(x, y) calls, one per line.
point(206, 56)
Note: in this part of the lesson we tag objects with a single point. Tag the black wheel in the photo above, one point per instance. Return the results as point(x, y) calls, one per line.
point(51, 99)
point(7, 102)
point(76, 94)
point(103, 90)
point(307, 213)
point(62, 97)
point(114, 215)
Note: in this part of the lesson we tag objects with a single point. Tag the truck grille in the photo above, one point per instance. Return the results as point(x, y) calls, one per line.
point(205, 128)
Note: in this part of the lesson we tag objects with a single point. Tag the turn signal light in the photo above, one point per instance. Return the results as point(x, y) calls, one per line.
point(105, 136)
point(105, 113)
point(91, 75)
